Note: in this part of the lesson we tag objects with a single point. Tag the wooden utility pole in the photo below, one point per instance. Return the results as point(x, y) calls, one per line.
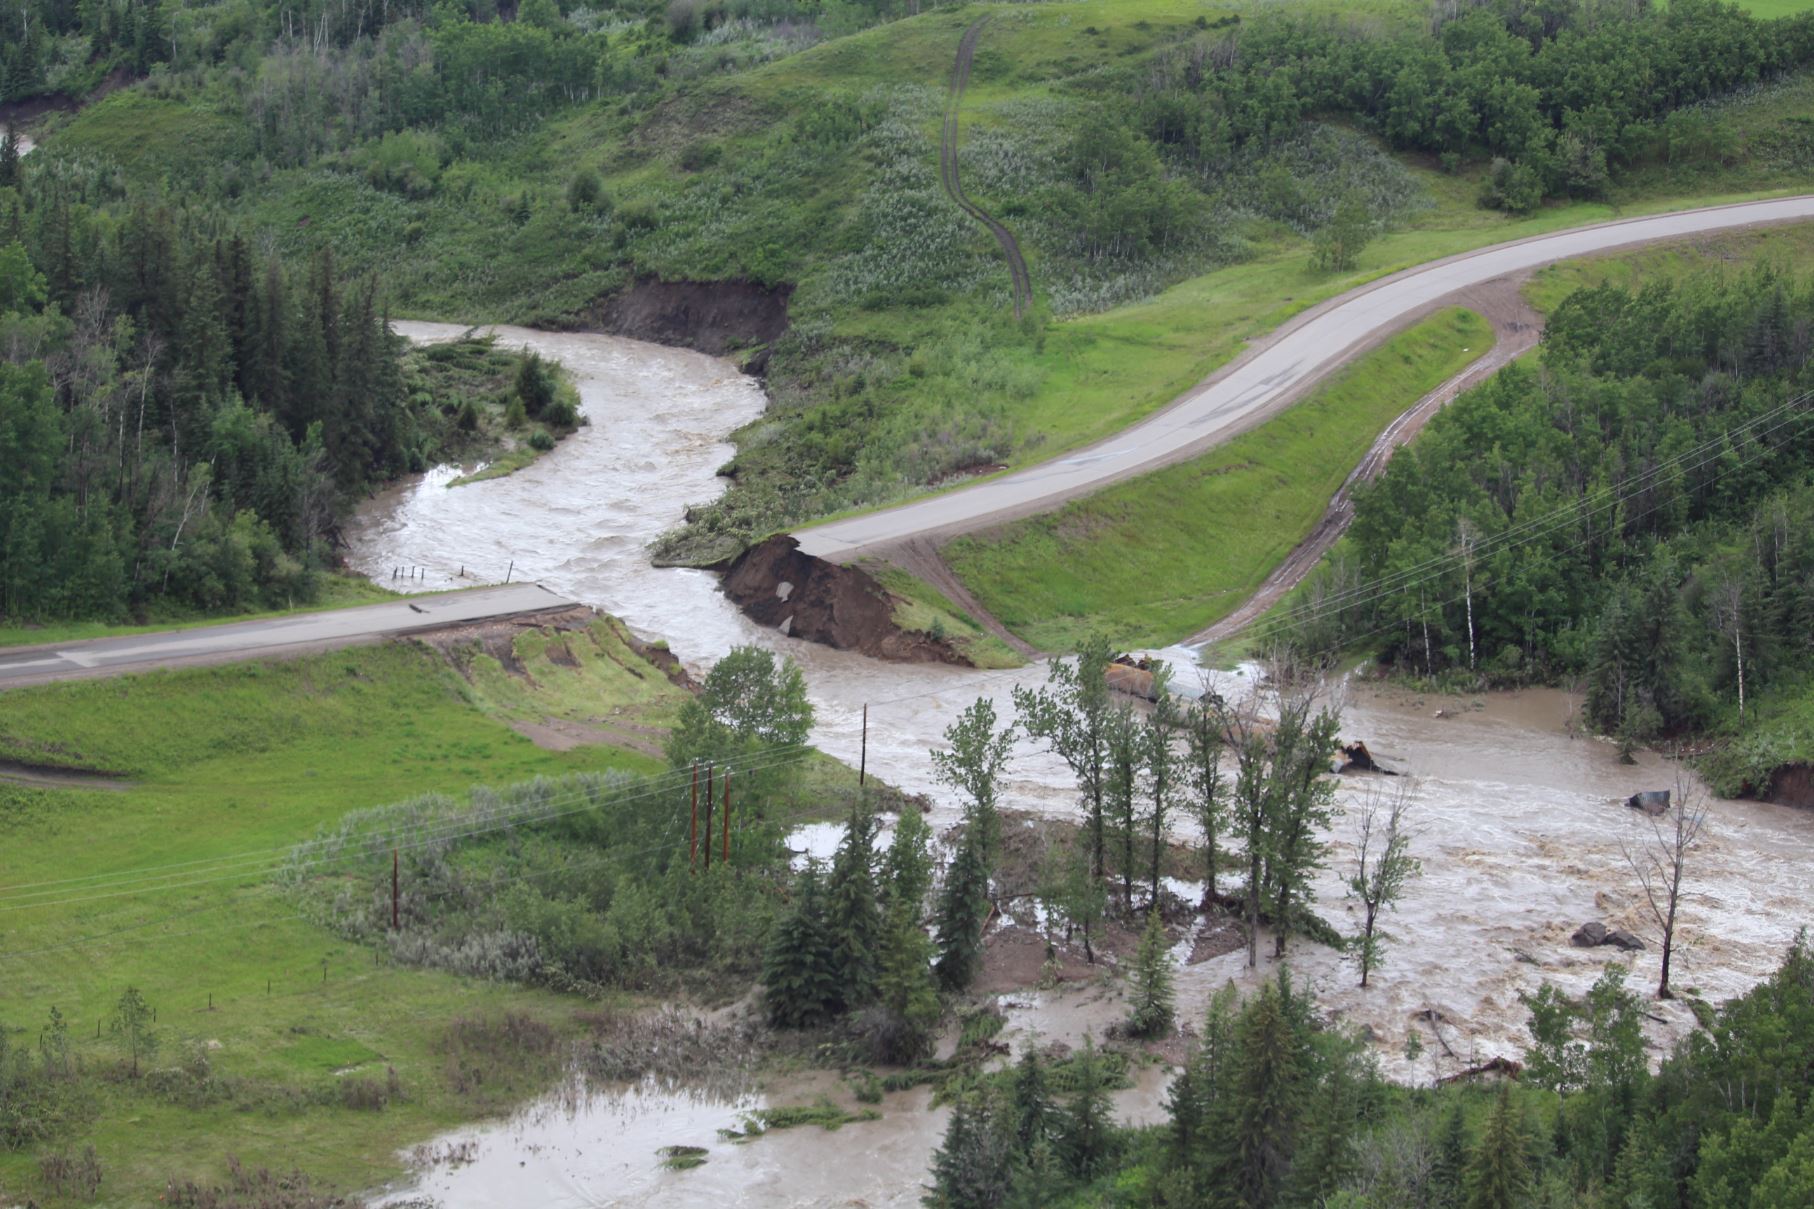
point(693, 833)
point(708, 815)
point(727, 818)
point(863, 752)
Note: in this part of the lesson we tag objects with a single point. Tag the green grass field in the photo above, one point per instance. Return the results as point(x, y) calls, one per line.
point(1154, 559)
point(250, 759)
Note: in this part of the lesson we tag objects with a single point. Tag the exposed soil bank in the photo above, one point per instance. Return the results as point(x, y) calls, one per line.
point(1792, 785)
point(716, 317)
point(50, 776)
point(775, 584)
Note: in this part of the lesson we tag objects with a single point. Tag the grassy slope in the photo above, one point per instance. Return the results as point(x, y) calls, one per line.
point(495, 241)
point(1161, 556)
point(253, 758)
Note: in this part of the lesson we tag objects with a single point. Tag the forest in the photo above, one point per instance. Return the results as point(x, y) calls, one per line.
point(1630, 514)
point(188, 419)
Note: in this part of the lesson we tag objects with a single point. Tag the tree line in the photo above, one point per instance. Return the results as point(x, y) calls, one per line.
point(1559, 96)
point(1273, 1108)
point(1629, 513)
point(185, 419)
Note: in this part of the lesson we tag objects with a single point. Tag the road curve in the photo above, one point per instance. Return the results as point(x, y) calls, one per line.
point(1269, 376)
point(298, 634)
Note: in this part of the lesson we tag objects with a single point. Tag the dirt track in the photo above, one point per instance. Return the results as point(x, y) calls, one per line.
point(1516, 329)
point(947, 164)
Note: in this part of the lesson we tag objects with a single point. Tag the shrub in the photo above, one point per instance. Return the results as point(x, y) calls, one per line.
point(585, 192)
point(541, 440)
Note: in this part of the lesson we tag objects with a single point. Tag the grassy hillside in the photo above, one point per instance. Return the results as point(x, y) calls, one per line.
point(1161, 556)
point(265, 1018)
point(798, 159)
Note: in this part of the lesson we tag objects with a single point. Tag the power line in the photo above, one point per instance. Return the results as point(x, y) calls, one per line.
point(1546, 526)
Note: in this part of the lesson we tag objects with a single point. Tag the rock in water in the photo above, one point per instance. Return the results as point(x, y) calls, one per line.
point(1588, 935)
point(1651, 801)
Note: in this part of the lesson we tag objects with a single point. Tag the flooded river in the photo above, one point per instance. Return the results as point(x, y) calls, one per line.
point(1519, 825)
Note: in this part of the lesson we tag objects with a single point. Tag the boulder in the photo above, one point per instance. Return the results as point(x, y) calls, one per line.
point(1650, 801)
point(1619, 938)
point(1588, 935)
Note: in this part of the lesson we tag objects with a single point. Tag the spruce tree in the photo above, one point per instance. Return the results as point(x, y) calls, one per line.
point(1087, 1139)
point(907, 1006)
point(797, 976)
point(1259, 1116)
point(9, 159)
point(853, 918)
point(962, 908)
point(974, 1168)
point(907, 865)
point(1035, 1115)
point(1152, 1013)
point(1449, 1169)
point(1498, 1173)
point(1324, 1159)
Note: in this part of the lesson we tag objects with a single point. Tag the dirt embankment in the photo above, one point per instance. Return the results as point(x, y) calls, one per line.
point(1792, 785)
point(716, 317)
point(778, 585)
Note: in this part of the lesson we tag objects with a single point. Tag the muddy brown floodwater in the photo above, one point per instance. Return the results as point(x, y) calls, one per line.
point(1519, 825)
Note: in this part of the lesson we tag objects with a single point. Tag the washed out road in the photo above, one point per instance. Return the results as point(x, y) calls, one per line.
point(296, 634)
point(1275, 372)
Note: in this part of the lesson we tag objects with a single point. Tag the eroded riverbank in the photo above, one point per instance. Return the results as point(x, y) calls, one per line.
point(1518, 823)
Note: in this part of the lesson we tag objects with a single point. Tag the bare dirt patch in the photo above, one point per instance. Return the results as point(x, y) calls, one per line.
point(777, 584)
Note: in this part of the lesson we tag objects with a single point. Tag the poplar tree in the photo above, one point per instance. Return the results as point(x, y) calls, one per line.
point(1162, 771)
point(1071, 716)
point(1122, 799)
point(973, 765)
point(1203, 732)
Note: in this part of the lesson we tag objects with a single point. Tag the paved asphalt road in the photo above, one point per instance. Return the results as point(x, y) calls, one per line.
point(278, 635)
point(1248, 390)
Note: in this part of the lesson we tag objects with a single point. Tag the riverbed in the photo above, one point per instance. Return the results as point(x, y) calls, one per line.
point(1519, 824)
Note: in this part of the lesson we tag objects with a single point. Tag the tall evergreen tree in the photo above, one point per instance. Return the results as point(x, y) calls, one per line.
point(962, 910)
point(853, 916)
point(1498, 1173)
point(974, 1168)
point(907, 865)
point(906, 1010)
point(1087, 1137)
point(1151, 995)
point(798, 984)
point(1258, 1119)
